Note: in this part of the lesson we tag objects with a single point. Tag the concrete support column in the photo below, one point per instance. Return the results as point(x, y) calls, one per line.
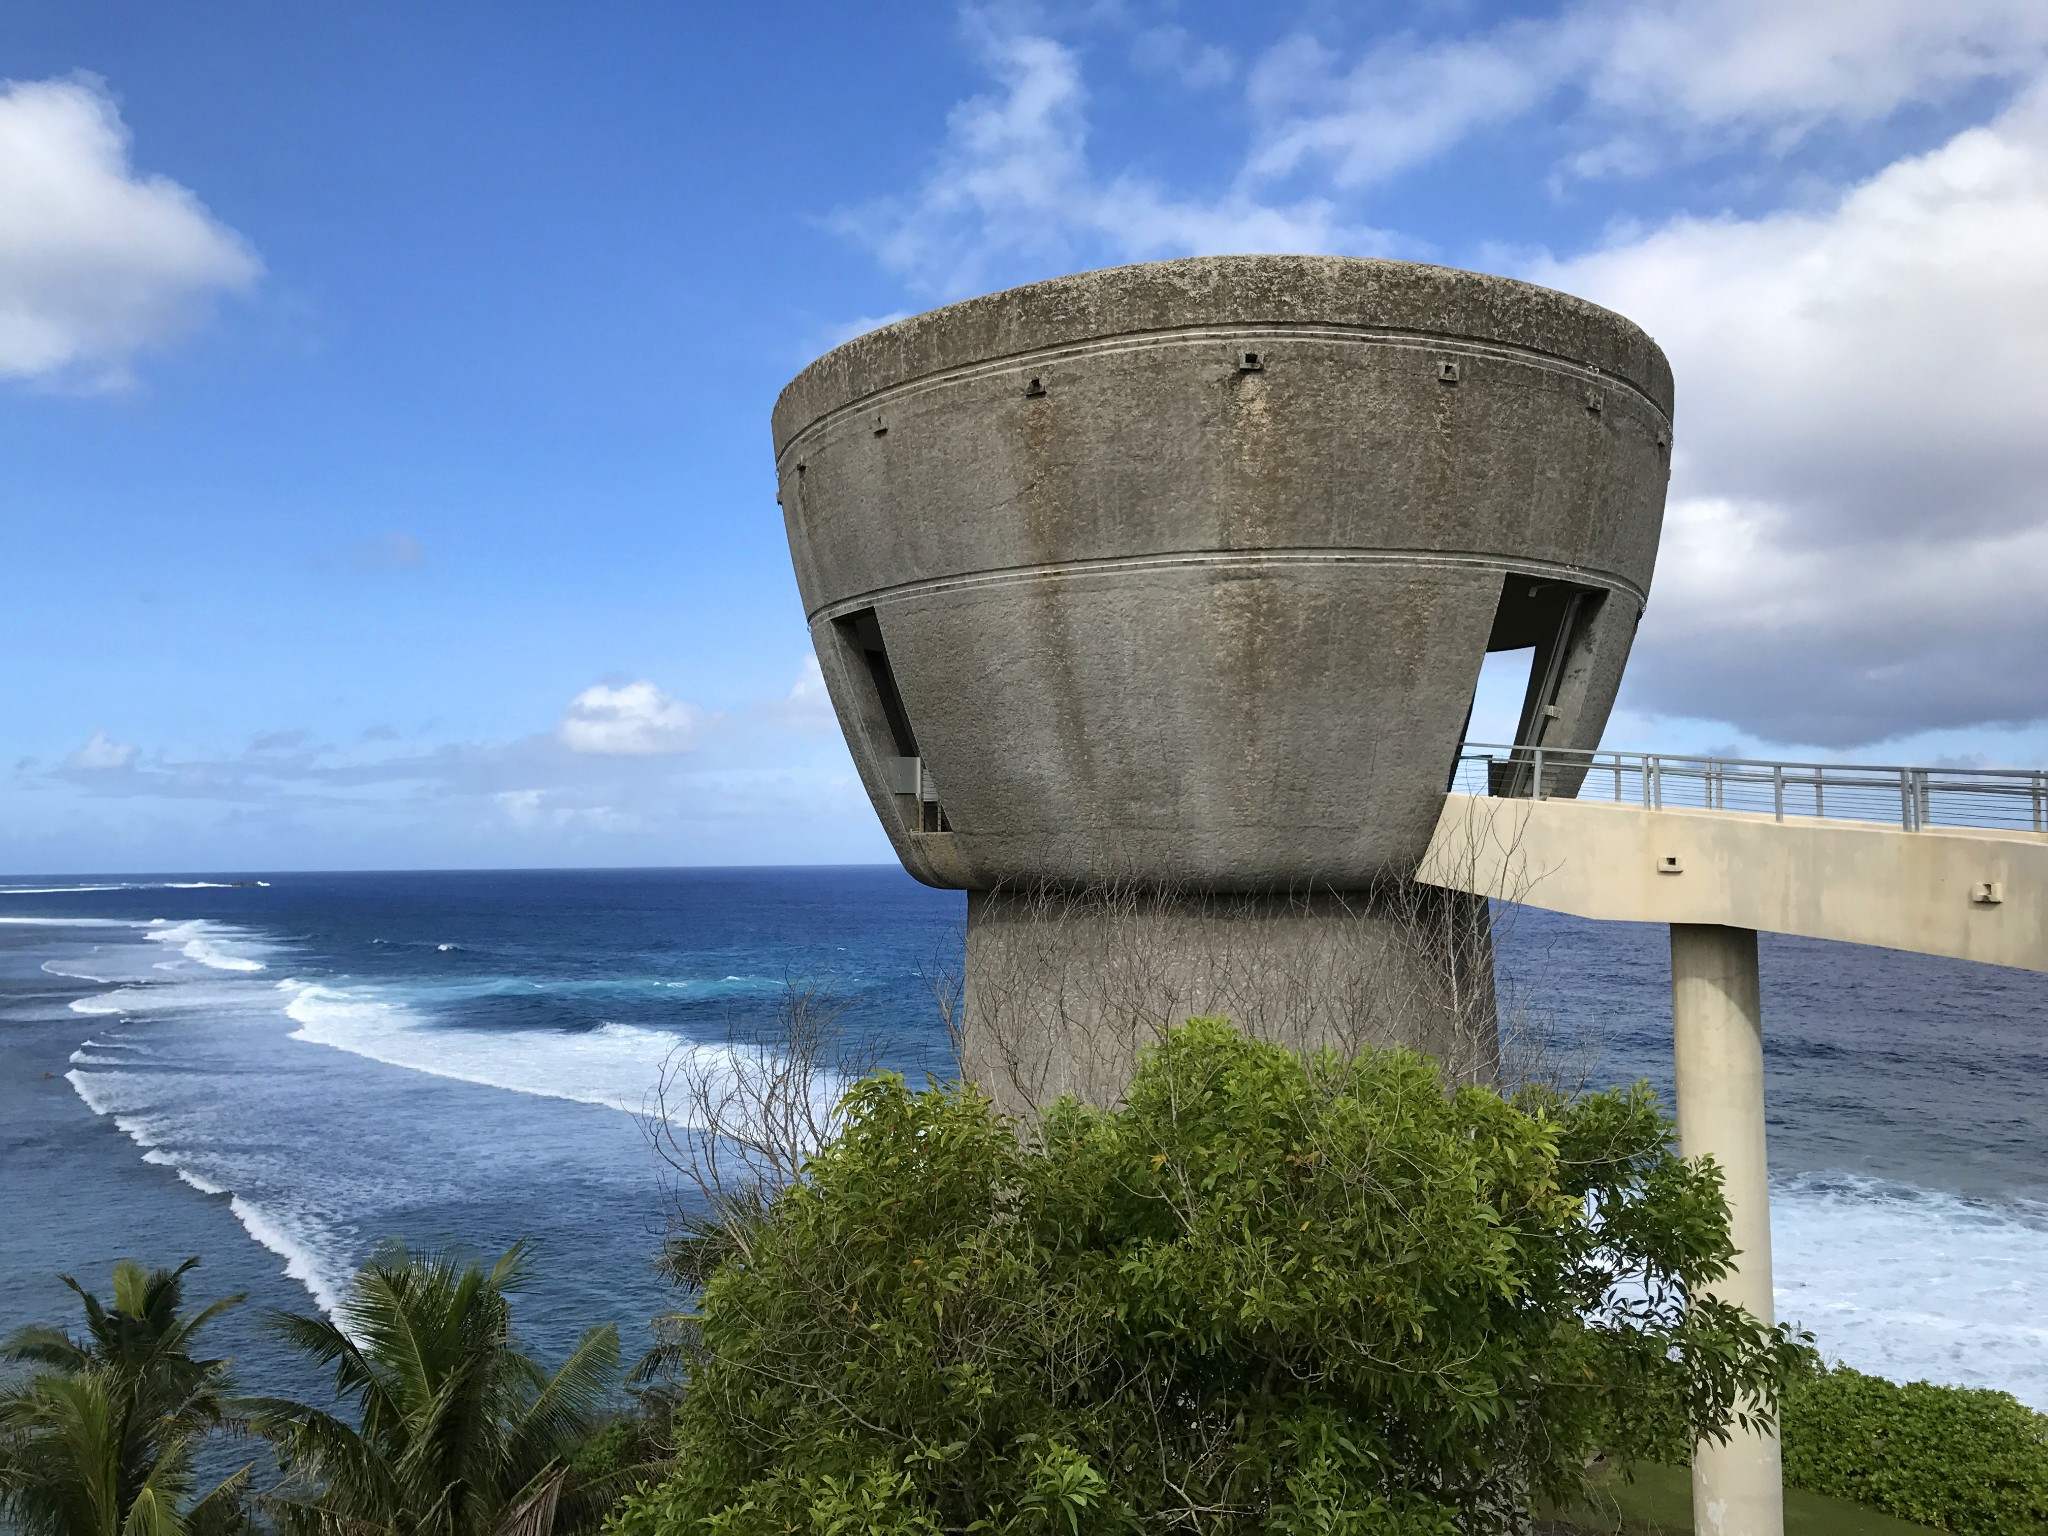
point(1717, 1018)
point(1064, 988)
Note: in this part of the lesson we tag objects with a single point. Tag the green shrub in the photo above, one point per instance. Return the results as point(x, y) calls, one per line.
point(1268, 1295)
point(609, 1450)
point(1959, 1460)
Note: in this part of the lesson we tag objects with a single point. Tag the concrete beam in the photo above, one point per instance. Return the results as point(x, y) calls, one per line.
point(1963, 892)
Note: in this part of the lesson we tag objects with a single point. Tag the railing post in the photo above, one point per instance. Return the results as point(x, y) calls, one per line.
point(1977, 797)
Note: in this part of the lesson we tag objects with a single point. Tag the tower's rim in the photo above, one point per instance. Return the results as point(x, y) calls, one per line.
point(1367, 292)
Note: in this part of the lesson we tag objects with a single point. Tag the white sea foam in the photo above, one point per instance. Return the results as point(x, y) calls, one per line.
point(96, 1093)
point(615, 1065)
point(126, 885)
point(163, 1159)
point(82, 1059)
point(1915, 1284)
point(58, 890)
point(78, 922)
point(323, 1277)
point(445, 948)
point(147, 997)
point(207, 992)
point(308, 1260)
point(208, 944)
point(69, 970)
point(102, 1091)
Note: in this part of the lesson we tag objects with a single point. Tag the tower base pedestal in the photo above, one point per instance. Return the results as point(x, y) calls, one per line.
point(1063, 989)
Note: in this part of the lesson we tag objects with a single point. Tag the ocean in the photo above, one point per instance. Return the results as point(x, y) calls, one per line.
point(277, 1071)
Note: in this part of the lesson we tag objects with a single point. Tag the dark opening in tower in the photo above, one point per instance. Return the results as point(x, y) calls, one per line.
point(1552, 621)
point(889, 722)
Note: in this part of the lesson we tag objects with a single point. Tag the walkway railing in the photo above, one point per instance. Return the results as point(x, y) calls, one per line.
point(2009, 798)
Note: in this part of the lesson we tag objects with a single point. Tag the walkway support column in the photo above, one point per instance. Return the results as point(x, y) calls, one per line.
point(1717, 1018)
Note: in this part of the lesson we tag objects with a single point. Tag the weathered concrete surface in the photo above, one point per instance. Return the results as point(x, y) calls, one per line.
point(1063, 990)
point(1857, 882)
point(1184, 572)
point(1152, 602)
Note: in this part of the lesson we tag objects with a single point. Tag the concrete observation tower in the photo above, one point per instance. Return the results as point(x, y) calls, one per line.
point(1152, 602)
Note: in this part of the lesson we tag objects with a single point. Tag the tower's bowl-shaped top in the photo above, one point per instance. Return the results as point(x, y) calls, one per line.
point(1184, 572)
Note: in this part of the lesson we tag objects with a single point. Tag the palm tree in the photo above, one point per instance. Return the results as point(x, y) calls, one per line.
point(457, 1433)
point(99, 1441)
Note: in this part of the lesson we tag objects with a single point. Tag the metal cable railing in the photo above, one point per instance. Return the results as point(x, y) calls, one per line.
point(2009, 798)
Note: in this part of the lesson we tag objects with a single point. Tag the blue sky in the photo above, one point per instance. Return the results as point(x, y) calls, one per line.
point(384, 464)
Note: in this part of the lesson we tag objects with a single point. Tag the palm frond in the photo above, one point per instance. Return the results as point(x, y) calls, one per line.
point(339, 1471)
point(101, 1441)
point(411, 1314)
point(328, 1344)
point(223, 1510)
point(40, 1344)
point(513, 1268)
point(461, 1433)
point(186, 1327)
point(133, 1291)
point(531, 1511)
point(65, 1457)
point(574, 1398)
point(151, 1514)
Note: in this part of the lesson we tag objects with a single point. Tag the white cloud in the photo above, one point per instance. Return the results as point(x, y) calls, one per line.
point(102, 754)
point(1014, 191)
point(535, 809)
point(522, 807)
point(1857, 545)
point(1177, 53)
point(1402, 104)
point(808, 707)
point(1788, 64)
point(97, 263)
point(633, 720)
point(809, 688)
point(768, 781)
point(1639, 81)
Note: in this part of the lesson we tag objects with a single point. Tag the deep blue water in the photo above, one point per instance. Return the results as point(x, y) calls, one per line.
point(278, 1076)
